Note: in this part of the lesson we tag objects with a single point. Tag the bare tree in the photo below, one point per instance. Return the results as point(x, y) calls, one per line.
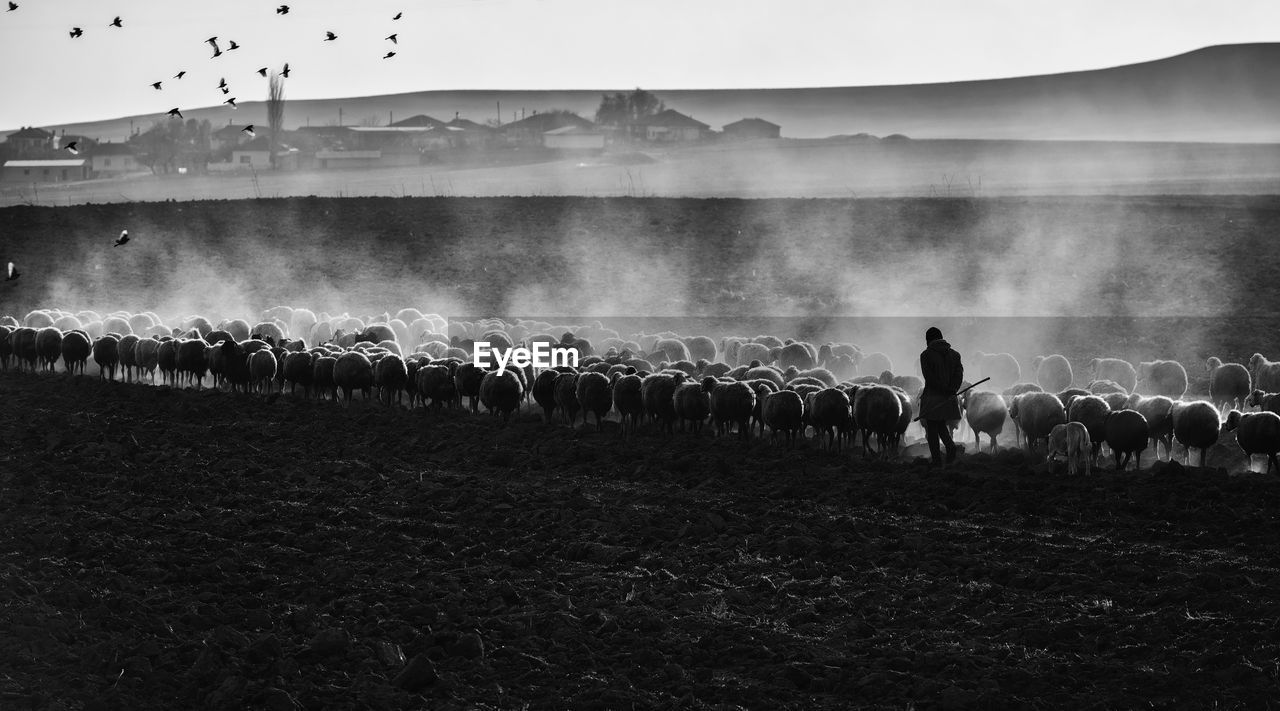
point(275, 113)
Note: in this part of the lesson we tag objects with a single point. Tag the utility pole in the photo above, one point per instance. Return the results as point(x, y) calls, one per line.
point(499, 113)
point(339, 115)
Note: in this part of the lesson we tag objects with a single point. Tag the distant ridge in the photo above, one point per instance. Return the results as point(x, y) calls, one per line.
point(1224, 93)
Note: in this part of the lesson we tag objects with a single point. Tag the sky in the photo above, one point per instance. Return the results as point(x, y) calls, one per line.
point(50, 78)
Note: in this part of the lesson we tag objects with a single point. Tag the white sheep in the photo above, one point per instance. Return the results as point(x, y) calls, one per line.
point(1117, 370)
point(1071, 440)
point(1265, 373)
point(1163, 377)
point(1053, 373)
point(1037, 413)
point(986, 413)
point(1002, 368)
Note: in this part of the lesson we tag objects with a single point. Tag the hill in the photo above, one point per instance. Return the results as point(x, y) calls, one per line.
point(1222, 93)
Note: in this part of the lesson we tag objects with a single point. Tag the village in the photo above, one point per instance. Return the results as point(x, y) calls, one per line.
point(35, 155)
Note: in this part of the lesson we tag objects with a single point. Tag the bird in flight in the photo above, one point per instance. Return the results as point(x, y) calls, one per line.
point(114, 23)
point(263, 71)
point(75, 32)
point(329, 36)
point(285, 73)
point(124, 237)
point(12, 6)
point(180, 74)
point(392, 37)
point(388, 55)
point(233, 46)
point(13, 271)
point(175, 112)
point(231, 101)
point(72, 149)
point(249, 130)
point(222, 84)
point(155, 85)
point(217, 51)
point(282, 10)
point(397, 17)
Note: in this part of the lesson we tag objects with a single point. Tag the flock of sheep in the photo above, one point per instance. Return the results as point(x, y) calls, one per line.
point(739, 384)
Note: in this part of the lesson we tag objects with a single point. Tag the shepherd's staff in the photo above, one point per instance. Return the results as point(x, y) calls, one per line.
point(962, 392)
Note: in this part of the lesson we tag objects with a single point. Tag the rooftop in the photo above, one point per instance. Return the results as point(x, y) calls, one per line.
point(64, 163)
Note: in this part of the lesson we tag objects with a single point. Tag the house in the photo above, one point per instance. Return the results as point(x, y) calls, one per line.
point(228, 136)
point(110, 159)
point(255, 154)
point(749, 128)
point(669, 126)
point(529, 131)
point(44, 171)
point(574, 138)
point(418, 121)
point(30, 141)
point(473, 135)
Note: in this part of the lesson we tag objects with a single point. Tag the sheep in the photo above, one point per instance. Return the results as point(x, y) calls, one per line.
point(24, 347)
point(1118, 371)
point(831, 414)
point(1126, 432)
point(1053, 373)
point(912, 385)
point(986, 413)
point(1091, 411)
point(76, 349)
point(765, 372)
point(48, 346)
point(657, 391)
point(466, 379)
point(701, 348)
point(1229, 384)
point(783, 412)
point(1106, 387)
point(199, 323)
point(1037, 413)
point(146, 356)
point(268, 331)
point(1265, 373)
point(875, 363)
point(353, 371)
point(1256, 433)
point(1068, 396)
point(768, 341)
point(1117, 401)
point(501, 392)
point(6, 345)
point(1002, 368)
point(672, 349)
point(544, 393)
point(595, 395)
point(190, 360)
point(628, 400)
point(1163, 377)
point(904, 420)
point(262, 370)
point(129, 355)
point(716, 370)
point(876, 410)
point(796, 355)
point(1195, 424)
point(1158, 412)
point(730, 403)
point(1267, 402)
point(106, 353)
point(1071, 440)
point(390, 374)
point(435, 382)
point(753, 352)
point(298, 370)
point(37, 320)
point(565, 388)
point(70, 323)
point(692, 405)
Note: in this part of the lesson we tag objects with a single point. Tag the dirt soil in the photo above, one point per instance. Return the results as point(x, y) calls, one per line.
point(167, 549)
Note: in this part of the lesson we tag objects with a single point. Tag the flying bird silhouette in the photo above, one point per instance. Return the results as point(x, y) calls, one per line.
point(116, 22)
point(217, 51)
point(388, 55)
point(233, 46)
point(222, 83)
point(12, 6)
point(175, 112)
point(329, 36)
point(282, 10)
point(392, 37)
point(180, 74)
point(124, 238)
point(263, 71)
point(285, 73)
point(231, 101)
point(13, 271)
point(72, 149)
point(75, 32)
point(397, 17)
point(249, 130)
point(155, 85)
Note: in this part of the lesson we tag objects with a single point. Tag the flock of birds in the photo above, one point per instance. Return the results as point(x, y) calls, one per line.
point(738, 384)
point(218, 51)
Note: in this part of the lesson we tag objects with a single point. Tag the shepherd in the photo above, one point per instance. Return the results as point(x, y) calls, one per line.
point(943, 375)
